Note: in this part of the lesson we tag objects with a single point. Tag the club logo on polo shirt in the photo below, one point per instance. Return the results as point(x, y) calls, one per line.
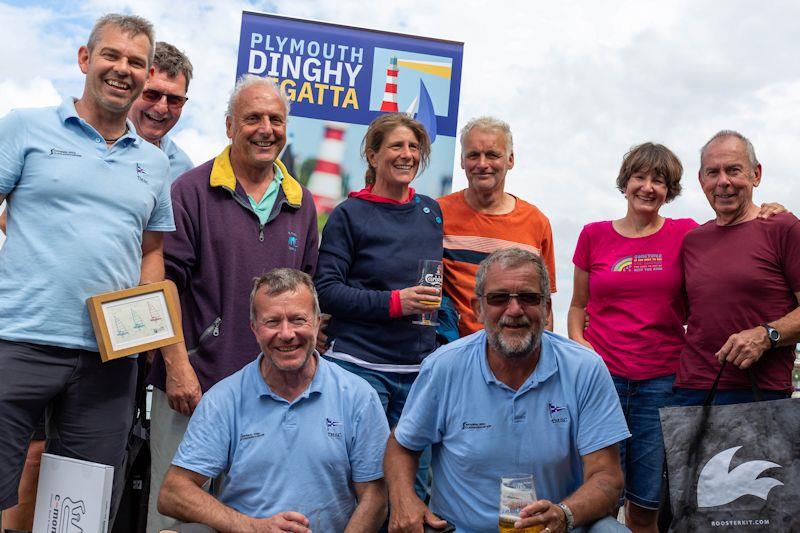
point(67, 153)
point(292, 241)
point(558, 413)
point(334, 428)
point(141, 173)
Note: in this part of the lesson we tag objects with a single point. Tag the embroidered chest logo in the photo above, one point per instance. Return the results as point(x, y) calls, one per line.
point(471, 426)
point(333, 428)
point(249, 436)
point(68, 153)
point(558, 413)
point(141, 173)
point(639, 263)
point(292, 241)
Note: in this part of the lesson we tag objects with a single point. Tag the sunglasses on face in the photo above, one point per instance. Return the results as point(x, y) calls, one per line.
point(153, 97)
point(501, 299)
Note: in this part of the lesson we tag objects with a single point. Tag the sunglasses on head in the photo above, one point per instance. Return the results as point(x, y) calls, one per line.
point(173, 100)
point(498, 299)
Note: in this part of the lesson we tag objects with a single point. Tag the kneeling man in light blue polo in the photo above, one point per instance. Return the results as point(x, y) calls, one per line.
point(511, 399)
point(300, 440)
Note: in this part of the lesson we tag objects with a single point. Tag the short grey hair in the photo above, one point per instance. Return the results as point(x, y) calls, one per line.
point(171, 61)
point(250, 80)
point(513, 258)
point(748, 146)
point(489, 124)
point(281, 280)
point(129, 24)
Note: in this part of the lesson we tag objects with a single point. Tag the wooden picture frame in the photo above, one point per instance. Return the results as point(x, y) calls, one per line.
point(135, 320)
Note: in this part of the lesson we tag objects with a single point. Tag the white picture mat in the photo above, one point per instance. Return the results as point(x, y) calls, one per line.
point(137, 320)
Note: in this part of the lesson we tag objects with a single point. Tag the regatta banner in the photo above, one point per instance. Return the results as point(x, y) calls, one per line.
point(339, 79)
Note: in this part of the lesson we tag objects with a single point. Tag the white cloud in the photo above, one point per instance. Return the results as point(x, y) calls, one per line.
point(36, 92)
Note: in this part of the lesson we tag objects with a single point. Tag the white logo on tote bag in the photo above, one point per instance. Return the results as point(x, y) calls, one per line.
point(719, 485)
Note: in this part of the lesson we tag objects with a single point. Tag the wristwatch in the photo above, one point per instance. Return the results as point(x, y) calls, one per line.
point(568, 516)
point(773, 335)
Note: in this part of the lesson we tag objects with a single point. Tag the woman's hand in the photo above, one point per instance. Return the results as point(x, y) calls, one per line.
point(420, 299)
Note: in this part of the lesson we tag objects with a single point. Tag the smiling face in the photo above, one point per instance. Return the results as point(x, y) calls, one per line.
point(646, 192)
point(397, 160)
point(728, 178)
point(285, 327)
point(154, 120)
point(257, 127)
point(486, 160)
point(116, 70)
point(513, 330)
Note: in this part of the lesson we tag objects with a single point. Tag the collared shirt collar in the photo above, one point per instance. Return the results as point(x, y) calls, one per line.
point(545, 367)
point(222, 176)
point(315, 387)
point(67, 111)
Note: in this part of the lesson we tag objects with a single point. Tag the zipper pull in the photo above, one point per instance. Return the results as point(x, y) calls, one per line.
point(261, 232)
point(217, 322)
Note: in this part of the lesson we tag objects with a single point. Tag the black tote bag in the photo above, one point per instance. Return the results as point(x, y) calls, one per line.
point(734, 467)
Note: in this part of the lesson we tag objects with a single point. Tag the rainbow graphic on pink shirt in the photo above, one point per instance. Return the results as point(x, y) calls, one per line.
point(623, 265)
point(639, 263)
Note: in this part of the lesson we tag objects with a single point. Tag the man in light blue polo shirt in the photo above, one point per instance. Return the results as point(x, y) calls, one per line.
point(300, 440)
point(507, 400)
point(88, 202)
point(159, 107)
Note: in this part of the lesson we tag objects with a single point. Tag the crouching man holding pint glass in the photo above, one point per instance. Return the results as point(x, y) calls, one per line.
point(512, 398)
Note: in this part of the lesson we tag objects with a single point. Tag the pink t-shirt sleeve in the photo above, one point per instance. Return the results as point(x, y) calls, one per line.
point(582, 250)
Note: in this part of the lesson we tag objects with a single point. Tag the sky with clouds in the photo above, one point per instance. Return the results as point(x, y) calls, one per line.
point(579, 82)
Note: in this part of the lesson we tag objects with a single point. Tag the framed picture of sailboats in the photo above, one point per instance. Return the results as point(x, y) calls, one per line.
point(135, 320)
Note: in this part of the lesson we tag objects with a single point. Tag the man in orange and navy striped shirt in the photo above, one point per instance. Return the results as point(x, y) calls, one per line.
point(483, 217)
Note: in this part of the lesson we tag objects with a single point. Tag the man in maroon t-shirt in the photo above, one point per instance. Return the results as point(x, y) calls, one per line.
point(742, 278)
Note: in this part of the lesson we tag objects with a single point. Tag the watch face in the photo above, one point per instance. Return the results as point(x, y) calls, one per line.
point(774, 336)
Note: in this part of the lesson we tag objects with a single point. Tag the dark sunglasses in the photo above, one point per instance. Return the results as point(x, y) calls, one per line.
point(173, 100)
point(498, 299)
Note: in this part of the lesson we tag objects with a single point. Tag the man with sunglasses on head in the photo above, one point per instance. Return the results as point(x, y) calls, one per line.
point(512, 398)
point(159, 107)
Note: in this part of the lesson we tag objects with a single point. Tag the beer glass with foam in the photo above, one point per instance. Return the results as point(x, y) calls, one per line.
point(516, 492)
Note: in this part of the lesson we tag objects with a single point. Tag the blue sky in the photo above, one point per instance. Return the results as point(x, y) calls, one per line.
point(579, 82)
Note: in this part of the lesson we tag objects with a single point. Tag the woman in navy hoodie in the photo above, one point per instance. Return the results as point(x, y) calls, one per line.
point(368, 265)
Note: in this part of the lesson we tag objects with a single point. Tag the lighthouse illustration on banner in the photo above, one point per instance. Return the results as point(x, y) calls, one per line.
point(418, 84)
point(325, 183)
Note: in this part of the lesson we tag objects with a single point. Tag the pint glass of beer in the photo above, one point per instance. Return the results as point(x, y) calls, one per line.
point(516, 492)
point(430, 275)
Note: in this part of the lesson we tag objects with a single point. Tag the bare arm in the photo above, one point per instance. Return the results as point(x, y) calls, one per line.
point(3, 215)
point(182, 497)
point(152, 257)
point(746, 347)
point(576, 317)
point(408, 512)
point(183, 388)
point(595, 498)
point(371, 510)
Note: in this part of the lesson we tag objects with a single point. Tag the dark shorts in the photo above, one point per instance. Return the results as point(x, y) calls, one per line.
point(88, 405)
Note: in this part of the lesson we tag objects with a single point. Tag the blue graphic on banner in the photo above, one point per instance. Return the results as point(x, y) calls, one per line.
point(340, 79)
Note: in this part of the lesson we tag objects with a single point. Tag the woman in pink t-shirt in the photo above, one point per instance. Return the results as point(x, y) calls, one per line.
point(628, 280)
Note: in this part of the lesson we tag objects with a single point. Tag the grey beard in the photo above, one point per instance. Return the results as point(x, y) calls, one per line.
point(523, 348)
